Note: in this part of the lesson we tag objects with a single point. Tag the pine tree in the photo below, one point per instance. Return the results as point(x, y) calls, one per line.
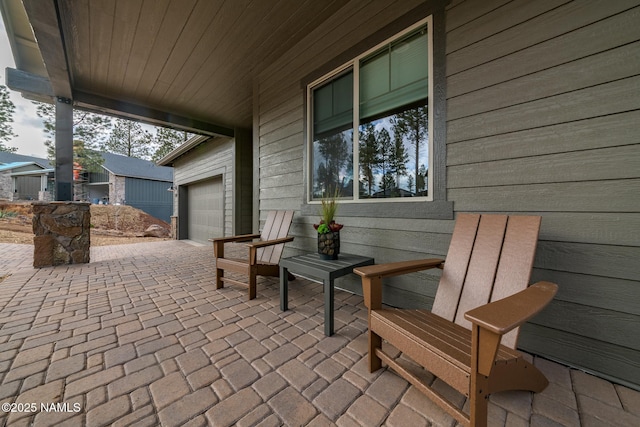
point(89, 128)
point(413, 124)
point(7, 108)
point(168, 140)
point(369, 156)
point(129, 139)
point(335, 153)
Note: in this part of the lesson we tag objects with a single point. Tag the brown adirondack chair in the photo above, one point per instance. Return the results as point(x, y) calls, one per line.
point(264, 253)
point(466, 340)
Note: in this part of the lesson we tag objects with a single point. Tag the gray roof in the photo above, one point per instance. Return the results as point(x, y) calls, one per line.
point(6, 157)
point(136, 168)
point(114, 163)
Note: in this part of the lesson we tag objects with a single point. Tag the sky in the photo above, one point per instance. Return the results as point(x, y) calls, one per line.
point(26, 123)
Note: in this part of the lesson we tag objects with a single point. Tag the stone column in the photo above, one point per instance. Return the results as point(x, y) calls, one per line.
point(62, 233)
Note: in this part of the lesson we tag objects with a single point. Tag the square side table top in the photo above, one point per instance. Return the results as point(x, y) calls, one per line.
point(312, 265)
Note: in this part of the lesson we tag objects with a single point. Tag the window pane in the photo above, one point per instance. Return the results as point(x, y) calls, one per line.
point(394, 76)
point(409, 61)
point(333, 165)
point(394, 155)
point(333, 105)
point(392, 91)
point(374, 78)
point(332, 157)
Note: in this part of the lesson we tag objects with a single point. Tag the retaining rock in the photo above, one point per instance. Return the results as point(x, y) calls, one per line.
point(62, 233)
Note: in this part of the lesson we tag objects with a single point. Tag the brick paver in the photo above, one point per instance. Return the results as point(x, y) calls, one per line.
point(141, 337)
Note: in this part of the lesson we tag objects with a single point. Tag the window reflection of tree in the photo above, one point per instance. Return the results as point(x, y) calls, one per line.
point(384, 158)
point(335, 153)
point(412, 125)
point(369, 156)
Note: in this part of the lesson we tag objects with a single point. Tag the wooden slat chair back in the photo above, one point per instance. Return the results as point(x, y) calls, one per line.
point(469, 337)
point(276, 226)
point(490, 257)
point(264, 252)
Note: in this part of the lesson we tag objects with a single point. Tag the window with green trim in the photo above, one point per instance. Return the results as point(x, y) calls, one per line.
point(369, 123)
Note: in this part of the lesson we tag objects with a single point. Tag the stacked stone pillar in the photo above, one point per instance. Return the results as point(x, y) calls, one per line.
point(62, 233)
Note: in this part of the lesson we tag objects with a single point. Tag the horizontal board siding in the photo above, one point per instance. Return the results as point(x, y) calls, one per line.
point(609, 98)
point(599, 132)
point(620, 364)
point(619, 295)
point(581, 43)
point(543, 117)
point(597, 260)
point(289, 112)
point(212, 158)
point(593, 70)
point(555, 23)
point(589, 165)
point(614, 327)
point(616, 229)
point(591, 196)
point(502, 17)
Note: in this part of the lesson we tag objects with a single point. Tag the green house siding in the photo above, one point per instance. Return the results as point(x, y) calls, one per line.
point(222, 166)
point(542, 116)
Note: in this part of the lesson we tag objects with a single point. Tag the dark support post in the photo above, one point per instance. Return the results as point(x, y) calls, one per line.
point(64, 149)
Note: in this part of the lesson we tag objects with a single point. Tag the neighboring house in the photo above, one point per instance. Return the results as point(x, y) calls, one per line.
point(131, 181)
point(120, 180)
point(25, 177)
point(504, 106)
point(212, 187)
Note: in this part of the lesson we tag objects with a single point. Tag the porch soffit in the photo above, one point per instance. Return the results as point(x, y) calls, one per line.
point(194, 59)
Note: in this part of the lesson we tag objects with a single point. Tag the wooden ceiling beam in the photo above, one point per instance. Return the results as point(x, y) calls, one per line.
point(43, 16)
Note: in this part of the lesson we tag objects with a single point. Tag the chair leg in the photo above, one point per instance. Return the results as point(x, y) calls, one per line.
point(479, 401)
point(375, 343)
point(520, 375)
point(219, 276)
point(252, 285)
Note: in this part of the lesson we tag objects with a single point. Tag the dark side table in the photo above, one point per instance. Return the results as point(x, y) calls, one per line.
point(325, 270)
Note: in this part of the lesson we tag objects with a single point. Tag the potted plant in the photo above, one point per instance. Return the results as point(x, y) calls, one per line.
point(328, 229)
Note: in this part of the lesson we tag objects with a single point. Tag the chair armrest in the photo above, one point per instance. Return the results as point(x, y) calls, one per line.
point(263, 243)
point(508, 313)
point(372, 276)
point(241, 238)
point(397, 268)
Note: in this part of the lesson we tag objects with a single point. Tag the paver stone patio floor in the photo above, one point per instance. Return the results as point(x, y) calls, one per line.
point(141, 337)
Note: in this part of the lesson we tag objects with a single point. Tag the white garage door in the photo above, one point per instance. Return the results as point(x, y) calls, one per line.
point(206, 210)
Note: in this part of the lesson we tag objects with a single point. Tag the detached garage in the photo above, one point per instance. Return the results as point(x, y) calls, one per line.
point(212, 187)
point(205, 212)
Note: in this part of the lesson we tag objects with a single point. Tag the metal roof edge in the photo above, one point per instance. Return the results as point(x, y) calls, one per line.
point(14, 165)
point(33, 172)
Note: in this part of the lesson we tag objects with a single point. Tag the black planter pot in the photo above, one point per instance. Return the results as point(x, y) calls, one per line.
point(329, 245)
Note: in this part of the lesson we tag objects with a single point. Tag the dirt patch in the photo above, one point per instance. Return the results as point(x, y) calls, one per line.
point(110, 224)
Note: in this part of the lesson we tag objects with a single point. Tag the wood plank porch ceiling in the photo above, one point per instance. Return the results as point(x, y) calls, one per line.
point(193, 58)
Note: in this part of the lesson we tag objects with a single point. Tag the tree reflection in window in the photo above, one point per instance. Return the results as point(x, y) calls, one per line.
point(393, 155)
point(369, 123)
point(333, 164)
